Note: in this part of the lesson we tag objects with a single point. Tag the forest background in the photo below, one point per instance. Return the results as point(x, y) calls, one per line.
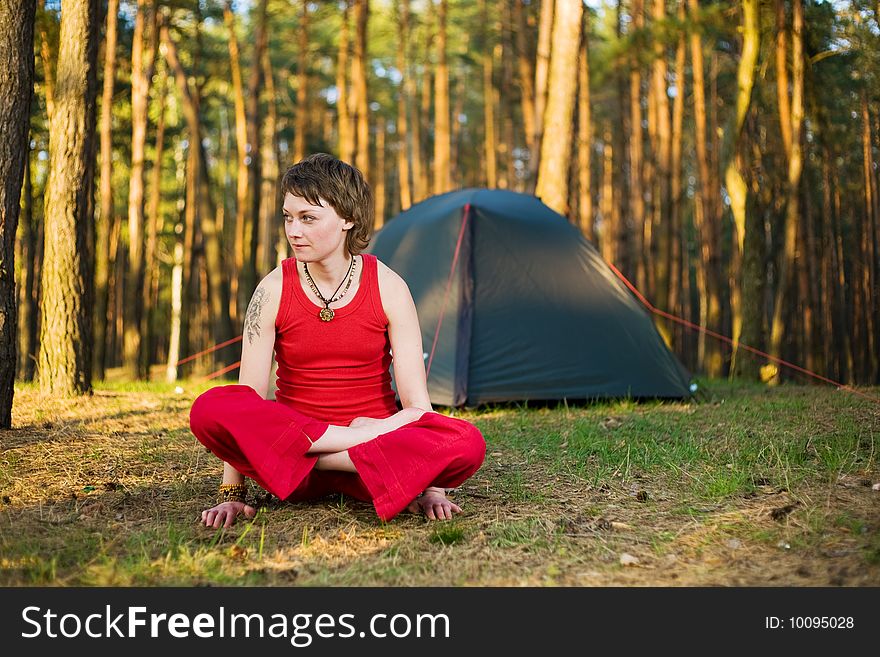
point(722, 155)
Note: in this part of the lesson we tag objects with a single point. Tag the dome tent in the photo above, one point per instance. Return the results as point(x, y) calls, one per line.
point(515, 304)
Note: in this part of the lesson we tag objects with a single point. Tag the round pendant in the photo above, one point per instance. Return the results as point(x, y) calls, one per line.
point(326, 314)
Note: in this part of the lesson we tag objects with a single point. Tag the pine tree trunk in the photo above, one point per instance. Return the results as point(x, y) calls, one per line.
point(105, 218)
point(66, 336)
point(241, 178)
point(636, 187)
point(675, 298)
point(704, 216)
point(359, 88)
point(526, 75)
point(142, 64)
point(150, 294)
point(16, 89)
point(302, 85)
point(737, 189)
point(252, 212)
point(781, 52)
point(345, 128)
point(27, 325)
point(795, 166)
point(489, 147)
point(552, 186)
point(219, 297)
point(869, 245)
point(542, 71)
point(48, 64)
point(380, 175)
point(608, 234)
point(441, 107)
point(403, 105)
point(270, 227)
point(585, 135)
point(659, 243)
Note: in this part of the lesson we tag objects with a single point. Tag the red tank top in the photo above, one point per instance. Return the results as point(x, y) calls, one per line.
point(338, 370)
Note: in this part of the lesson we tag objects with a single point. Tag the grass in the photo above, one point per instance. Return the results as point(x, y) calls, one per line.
point(746, 485)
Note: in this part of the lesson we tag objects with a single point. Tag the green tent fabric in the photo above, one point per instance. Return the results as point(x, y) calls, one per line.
point(515, 304)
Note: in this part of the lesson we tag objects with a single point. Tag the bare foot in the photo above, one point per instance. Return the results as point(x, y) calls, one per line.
point(434, 505)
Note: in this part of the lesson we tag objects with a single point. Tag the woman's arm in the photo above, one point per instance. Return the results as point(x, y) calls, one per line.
point(406, 340)
point(257, 346)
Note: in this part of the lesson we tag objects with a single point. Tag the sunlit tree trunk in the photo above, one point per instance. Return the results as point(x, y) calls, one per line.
point(676, 232)
point(526, 75)
point(105, 217)
point(219, 297)
point(552, 186)
point(301, 117)
point(66, 332)
point(781, 60)
point(379, 175)
point(869, 244)
point(403, 105)
point(16, 89)
point(657, 240)
point(745, 299)
point(359, 88)
point(441, 107)
point(795, 166)
point(345, 129)
point(270, 224)
point(27, 256)
point(704, 215)
point(608, 233)
point(143, 57)
point(585, 134)
point(489, 147)
point(542, 72)
point(636, 155)
point(150, 292)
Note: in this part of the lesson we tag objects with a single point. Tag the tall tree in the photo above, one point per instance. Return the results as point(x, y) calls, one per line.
point(403, 99)
point(345, 129)
point(302, 85)
point(488, 103)
point(585, 134)
point(143, 58)
point(16, 88)
point(359, 88)
point(552, 185)
point(66, 333)
point(542, 70)
point(745, 301)
point(526, 71)
point(795, 168)
point(105, 217)
point(441, 107)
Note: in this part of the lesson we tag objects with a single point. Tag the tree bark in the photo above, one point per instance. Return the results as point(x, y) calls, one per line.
point(677, 273)
point(270, 227)
point(526, 75)
point(742, 300)
point(380, 175)
point(636, 155)
point(16, 89)
point(585, 135)
point(142, 66)
point(795, 167)
point(552, 186)
point(441, 107)
point(219, 296)
point(345, 129)
point(704, 216)
point(66, 332)
point(48, 63)
point(489, 147)
point(359, 88)
point(105, 218)
point(542, 70)
point(403, 105)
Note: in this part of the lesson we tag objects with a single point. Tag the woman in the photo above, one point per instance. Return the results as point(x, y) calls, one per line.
point(335, 425)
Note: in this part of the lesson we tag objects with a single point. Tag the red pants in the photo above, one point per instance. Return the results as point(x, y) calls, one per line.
point(267, 441)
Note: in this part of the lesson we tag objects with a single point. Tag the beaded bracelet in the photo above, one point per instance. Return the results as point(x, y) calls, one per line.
point(232, 493)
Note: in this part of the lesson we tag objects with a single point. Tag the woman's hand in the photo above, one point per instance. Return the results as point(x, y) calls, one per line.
point(399, 419)
point(224, 514)
point(434, 504)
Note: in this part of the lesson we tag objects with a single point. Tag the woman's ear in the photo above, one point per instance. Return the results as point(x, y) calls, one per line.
point(348, 225)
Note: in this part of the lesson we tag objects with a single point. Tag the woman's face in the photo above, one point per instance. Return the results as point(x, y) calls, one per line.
point(313, 231)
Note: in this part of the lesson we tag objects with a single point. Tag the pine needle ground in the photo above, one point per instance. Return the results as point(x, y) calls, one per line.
point(744, 486)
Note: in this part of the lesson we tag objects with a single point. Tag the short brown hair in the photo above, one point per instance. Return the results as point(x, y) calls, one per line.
point(322, 176)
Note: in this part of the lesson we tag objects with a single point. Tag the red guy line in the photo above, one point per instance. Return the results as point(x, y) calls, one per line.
point(724, 338)
point(464, 220)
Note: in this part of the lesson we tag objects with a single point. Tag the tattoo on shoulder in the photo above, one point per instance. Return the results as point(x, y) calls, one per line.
point(252, 318)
